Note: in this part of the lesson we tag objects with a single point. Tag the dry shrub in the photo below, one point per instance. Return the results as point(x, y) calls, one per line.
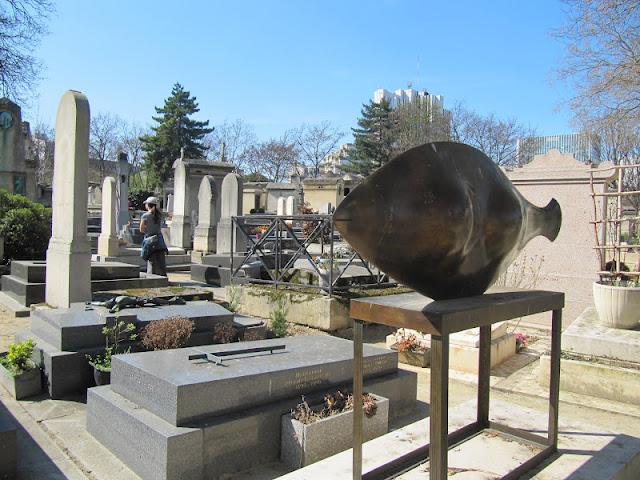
point(224, 333)
point(333, 404)
point(172, 332)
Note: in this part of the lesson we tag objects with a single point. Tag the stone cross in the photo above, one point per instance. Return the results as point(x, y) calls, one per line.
point(281, 206)
point(231, 205)
point(181, 220)
point(122, 189)
point(108, 241)
point(204, 239)
point(69, 255)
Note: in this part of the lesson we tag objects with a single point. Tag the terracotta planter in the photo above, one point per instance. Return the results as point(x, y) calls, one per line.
point(618, 307)
point(24, 385)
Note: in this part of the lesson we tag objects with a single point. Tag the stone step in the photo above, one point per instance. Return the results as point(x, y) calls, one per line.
point(28, 293)
point(158, 450)
point(35, 271)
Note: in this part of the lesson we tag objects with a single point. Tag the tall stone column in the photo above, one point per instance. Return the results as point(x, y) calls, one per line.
point(181, 220)
point(290, 207)
point(231, 200)
point(122, 190)
point(204, 239)
point(69, 255)
point(280, 210)
point(108, 240)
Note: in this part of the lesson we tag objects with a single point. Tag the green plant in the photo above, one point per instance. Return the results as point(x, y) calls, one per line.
point(18, 358)
point(114, 335)
point(25, 226)
point(171, 332)
point(233, 297)
point(278, 316)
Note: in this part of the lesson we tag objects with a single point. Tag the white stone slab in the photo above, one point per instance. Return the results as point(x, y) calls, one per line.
point(587, 336)
point(586, 452)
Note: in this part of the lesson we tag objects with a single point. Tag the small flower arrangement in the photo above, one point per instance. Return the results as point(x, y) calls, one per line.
point(260, 230)
point(407, 342)
point(521, 340)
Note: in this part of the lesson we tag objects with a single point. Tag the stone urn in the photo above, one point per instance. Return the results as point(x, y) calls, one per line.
point(617, 307)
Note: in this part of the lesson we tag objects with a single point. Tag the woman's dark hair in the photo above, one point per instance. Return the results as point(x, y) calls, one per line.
point(156, 212)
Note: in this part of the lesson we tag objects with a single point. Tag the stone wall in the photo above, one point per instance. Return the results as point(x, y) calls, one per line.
point(570, 263)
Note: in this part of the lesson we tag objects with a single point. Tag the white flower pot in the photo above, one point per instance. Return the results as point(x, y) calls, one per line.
point(618, 307)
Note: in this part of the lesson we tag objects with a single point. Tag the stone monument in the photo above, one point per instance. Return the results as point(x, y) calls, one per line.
point(169, 208)
point(108, 240)
point(204, 239)
point(68, 276)
point(181, 220)
point(281, 206)
point(122, 190)
point(290, 207)
point(231, 200)
point(13, 165)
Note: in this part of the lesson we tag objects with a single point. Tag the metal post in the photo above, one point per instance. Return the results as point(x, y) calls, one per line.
point(484, 375)
point(439, 415)
point(357, 399)
point(331, 259)
point(233, 226)
point(554, 378)
point(277, 252)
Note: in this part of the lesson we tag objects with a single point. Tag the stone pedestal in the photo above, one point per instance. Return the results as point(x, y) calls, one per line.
point(69, 255)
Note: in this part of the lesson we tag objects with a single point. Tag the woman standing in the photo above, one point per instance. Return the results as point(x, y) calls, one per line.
point(154, 249)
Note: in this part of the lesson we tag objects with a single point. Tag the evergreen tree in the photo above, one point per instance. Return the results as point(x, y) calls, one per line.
point(175, 130)
point(374, 139)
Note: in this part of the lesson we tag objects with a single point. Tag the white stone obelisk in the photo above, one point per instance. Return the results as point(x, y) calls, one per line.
point(108, 240)
point(204, 238)
point(231, 206)
point(181, 220)
point(69, 255)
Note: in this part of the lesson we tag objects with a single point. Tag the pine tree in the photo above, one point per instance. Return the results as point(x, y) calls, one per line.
point(175, 130)
point(373, 146)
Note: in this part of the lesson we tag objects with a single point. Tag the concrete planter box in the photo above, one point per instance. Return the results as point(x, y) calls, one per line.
point(25, 385)
point(417, 359)
point(317, 311)
point(302, 445)
point(618, 307)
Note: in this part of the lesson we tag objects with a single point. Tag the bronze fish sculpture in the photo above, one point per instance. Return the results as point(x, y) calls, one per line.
point(443, 219)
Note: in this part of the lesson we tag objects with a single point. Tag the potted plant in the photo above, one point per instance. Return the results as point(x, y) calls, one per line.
point(410, 350)
point(312, 433)
point(617, 294)
point(18, 372)
point(114, 336)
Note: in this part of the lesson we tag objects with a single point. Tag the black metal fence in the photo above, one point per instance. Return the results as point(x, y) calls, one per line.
point(278, 241)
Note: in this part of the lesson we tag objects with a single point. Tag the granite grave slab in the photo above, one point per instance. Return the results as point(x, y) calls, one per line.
point(181, 391)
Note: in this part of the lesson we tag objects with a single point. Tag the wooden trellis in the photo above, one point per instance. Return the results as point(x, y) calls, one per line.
point(608, 231)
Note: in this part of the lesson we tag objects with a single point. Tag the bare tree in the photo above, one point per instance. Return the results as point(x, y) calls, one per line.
point(237, 136)
point(22, 25)
point(498, 139)
point(416, 123)
point(131, 144)
point(316, 142)
point(616, 138)
point(105, 138)
point(274, 158)
point(602, 38)
point(43, 146)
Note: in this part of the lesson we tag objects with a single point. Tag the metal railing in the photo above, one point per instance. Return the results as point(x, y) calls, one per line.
point(278, 241)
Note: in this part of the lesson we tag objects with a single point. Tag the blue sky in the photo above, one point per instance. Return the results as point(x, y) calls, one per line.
point(277, 64)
